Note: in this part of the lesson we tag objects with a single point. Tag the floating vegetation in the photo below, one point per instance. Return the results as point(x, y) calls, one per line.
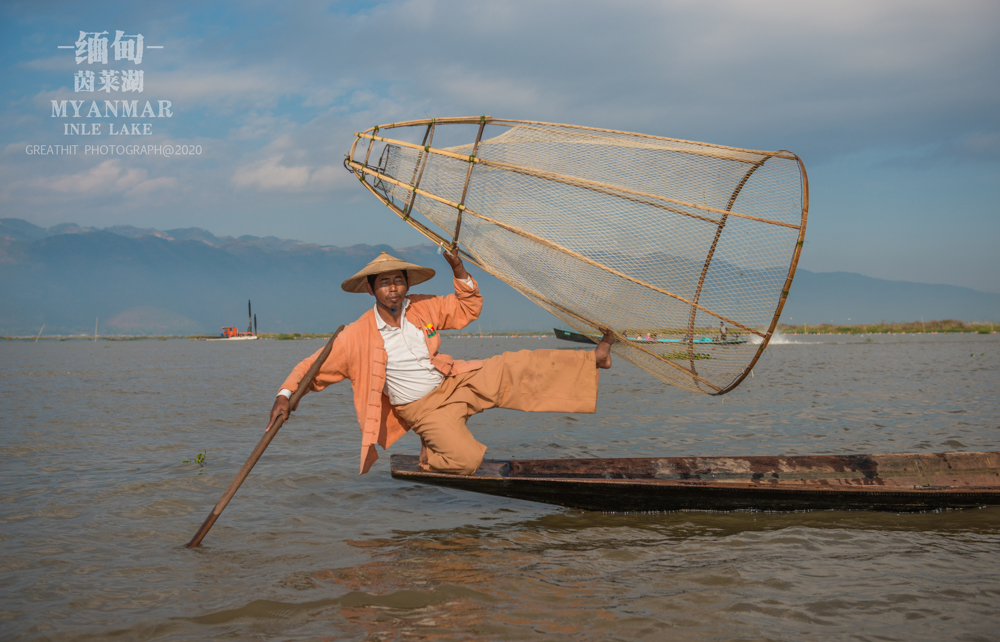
point(200, 459)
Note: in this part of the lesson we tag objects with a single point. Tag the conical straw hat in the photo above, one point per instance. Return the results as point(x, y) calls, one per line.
point(386, 263)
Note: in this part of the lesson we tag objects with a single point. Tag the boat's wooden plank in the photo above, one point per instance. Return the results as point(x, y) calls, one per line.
point(898, 470)
point(899, 482)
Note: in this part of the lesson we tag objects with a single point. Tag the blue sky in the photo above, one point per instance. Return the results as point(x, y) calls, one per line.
point(893, 106)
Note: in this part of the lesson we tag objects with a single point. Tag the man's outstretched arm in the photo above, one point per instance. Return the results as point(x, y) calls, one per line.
point(332, 370)
point(280, 408)
point(461, 308)
point(455, 261)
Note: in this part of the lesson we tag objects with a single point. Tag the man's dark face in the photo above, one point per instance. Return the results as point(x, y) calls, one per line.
point(390, 289)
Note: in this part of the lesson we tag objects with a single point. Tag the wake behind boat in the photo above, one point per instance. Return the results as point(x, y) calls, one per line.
point(891, 482)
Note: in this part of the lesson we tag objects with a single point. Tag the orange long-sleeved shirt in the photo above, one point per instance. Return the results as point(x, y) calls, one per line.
point(359, 354)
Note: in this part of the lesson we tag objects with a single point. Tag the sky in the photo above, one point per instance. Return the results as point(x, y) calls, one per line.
point(894, 107)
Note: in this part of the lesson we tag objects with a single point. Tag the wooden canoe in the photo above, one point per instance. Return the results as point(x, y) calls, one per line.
point(576, 337)
point(896, 482)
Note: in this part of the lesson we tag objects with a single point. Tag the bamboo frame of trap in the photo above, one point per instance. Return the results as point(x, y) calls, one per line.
point(706, 149)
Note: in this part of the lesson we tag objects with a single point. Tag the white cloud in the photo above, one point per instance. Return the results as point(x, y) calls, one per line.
point(270, 174)
point(201, 86)
point(153, 185)
point(108, 178)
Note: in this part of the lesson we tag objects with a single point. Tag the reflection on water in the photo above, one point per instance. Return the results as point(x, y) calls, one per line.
point(96, 505)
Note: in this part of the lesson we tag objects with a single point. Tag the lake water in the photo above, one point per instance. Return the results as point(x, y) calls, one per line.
point(96, 505)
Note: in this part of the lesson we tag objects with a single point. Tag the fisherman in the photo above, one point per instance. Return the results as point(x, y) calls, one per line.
point(722, 330)
point(402, 382)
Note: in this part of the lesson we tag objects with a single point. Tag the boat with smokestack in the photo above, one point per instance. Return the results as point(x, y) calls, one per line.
point(232, 333)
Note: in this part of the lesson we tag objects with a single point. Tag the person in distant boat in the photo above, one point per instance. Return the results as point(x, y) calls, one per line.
point(402, 382)
point(722, 330)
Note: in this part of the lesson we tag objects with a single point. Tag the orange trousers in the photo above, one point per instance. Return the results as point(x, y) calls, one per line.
point(530, 380)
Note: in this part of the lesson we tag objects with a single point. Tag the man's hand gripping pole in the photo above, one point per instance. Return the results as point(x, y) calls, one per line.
point(269, 434)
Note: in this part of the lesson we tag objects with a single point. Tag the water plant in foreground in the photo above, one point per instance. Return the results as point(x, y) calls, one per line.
point(200, 459)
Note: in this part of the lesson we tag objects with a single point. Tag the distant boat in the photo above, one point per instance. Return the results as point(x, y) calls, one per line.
point(576, 337)
point(566, 335)
point(232, 333)
point(892, 482)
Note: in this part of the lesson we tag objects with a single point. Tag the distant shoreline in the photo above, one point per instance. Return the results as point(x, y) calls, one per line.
point(944, 326)
point(296, 336)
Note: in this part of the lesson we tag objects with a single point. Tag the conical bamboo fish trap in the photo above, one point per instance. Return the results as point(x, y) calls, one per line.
point(663, 241)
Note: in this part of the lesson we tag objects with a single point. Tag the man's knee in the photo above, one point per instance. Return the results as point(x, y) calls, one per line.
point(468, 463)
point(455, 463)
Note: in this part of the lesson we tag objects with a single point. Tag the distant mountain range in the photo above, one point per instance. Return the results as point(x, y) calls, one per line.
point(189, 281)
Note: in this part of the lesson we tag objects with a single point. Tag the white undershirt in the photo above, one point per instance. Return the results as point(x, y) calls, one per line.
point(409, 373)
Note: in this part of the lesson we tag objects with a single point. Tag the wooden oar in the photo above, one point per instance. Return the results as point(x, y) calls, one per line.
point(269, 434)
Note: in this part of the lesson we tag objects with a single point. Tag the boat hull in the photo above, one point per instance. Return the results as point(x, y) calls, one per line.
point(893, 482)
point(576, 337)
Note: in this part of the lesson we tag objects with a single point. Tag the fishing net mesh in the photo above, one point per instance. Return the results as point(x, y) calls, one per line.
point(685, 250)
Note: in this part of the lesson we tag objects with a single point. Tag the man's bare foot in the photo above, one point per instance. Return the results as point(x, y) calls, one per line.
point(603, 350)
